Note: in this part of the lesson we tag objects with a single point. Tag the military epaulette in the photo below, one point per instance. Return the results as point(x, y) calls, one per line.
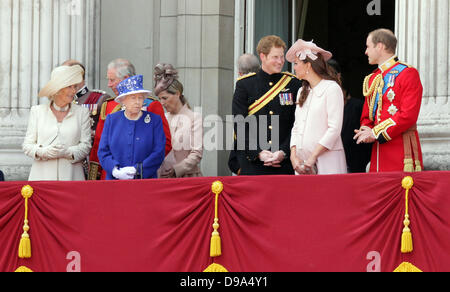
point(99, 91)
point(290, 74)
point(407, 65)
point(103, 110)
point(153, 98)
point(246, 76)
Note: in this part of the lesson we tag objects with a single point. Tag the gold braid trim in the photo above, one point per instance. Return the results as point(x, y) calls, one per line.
point(371, 93)
point(95, 171)
point(380, 100)
point(381, 129)
point(246, 76)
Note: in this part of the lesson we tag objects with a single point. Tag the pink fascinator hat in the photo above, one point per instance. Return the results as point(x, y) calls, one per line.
point(301, 49)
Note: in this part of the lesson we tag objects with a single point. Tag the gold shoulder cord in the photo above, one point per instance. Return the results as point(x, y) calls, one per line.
point(371, 93)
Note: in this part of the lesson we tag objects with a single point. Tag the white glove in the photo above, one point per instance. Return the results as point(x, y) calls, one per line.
point(130, 170)
point(125, 173)
point(48, 152)
point(64, 152)
point(265, 156)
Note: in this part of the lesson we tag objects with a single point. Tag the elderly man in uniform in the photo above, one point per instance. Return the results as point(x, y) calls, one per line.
point(247, 63)
point(265, 99)
point(91, 100)
point(119, 70)
point(393, 98)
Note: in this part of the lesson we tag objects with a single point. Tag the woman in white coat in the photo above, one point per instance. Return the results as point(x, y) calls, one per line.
point(58, 137)
point(316, 145)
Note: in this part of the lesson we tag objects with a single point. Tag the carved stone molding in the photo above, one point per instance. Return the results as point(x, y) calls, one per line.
point(36, 36)
point(423, 31)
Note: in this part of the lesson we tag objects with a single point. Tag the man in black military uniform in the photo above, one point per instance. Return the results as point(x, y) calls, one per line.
point(264, 106)
point(91, 100)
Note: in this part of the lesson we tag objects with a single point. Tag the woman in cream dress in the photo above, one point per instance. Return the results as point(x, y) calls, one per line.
point(316, 145)
point(186, 127)
point(58, 137)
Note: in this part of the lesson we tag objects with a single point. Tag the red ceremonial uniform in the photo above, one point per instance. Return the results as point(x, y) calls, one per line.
point(110, 107)
point(393, 118)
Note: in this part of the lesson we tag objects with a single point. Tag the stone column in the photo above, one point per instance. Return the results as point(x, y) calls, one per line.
point(423, 30)
point(197, 36)
point(38, 35)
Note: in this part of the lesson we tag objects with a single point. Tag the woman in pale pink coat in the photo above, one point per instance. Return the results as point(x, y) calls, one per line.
point(186, 127)
point(316, 145)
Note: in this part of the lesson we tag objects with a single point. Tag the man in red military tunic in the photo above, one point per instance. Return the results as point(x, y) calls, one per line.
point(119, 70)
point(90, 99)
point(393, 99)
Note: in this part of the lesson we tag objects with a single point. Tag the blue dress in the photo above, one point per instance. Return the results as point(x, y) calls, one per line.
point(138, 143)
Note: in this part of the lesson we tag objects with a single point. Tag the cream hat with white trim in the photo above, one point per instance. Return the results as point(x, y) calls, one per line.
point(62, 77)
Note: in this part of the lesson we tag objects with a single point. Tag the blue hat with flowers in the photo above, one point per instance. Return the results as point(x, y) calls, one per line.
point(132, 85)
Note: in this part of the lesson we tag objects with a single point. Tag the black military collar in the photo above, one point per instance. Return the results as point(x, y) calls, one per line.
point(268, 76)
point(271, 79)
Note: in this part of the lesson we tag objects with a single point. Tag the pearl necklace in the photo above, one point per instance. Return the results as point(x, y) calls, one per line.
point(61, 109)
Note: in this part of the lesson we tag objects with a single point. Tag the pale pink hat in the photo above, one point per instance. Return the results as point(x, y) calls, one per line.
point(301, 49)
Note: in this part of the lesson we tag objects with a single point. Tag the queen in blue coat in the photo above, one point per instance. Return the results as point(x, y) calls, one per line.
point(132, 145)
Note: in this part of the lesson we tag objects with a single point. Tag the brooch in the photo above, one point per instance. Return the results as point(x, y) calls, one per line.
point(392, 110)
point(391, 95)
point(148, 119)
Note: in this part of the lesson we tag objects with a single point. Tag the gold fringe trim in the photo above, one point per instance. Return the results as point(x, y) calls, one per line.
point(409, 165)
point(418, 166)
point(215, 246)
point(407, 241)
point(215, 268)
point(25, 241)
point(407, 268)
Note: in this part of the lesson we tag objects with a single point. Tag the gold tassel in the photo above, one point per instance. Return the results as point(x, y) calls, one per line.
point(215, 246)
point(407, 242)
point(418, 166)
point(25, 241)
point(409, 165)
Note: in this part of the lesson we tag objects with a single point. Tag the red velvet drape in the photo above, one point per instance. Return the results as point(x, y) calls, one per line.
point(309, 223)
